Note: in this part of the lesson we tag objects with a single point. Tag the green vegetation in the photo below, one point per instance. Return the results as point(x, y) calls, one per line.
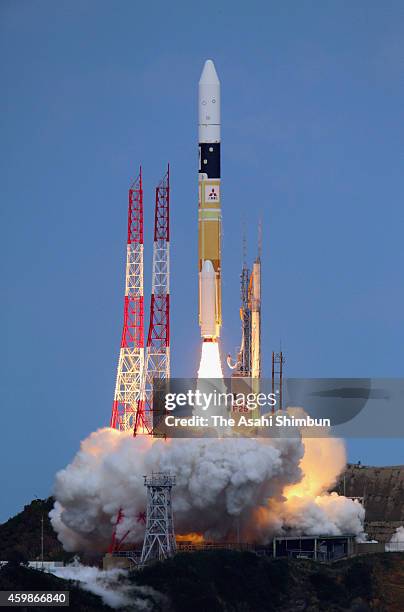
point(221, 580)
point(21, 534)
point(229, 581)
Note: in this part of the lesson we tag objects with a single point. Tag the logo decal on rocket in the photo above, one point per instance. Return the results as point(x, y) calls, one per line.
point(213, 195)
point(209, 222)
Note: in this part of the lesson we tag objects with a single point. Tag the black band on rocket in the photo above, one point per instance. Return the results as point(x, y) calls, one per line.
point(210, 159)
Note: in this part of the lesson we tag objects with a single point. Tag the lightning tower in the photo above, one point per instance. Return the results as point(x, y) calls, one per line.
point(157, 362)
point(131, 354)
point(132, 408)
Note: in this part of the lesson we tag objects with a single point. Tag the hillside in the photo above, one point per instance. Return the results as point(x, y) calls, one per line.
point(14, 577)
point(230, 581)
point(382, 490)
point(22, 534)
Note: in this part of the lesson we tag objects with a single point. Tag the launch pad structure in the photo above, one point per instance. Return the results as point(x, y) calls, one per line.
point(159, 540)
point(277, 377)
point(248, 362)
point(319, 548)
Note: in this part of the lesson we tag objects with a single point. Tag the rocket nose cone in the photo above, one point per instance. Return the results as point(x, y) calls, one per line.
point(209, 74)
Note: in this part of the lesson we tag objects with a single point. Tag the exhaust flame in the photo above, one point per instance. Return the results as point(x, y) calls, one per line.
point(195, 538)
point(210, 366)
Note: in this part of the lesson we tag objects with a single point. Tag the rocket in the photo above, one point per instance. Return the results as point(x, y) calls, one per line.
point(209, 209)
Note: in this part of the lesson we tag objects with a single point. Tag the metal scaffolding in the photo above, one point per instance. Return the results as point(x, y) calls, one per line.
point(131, 354)
point(159, 539)
point(157, 360)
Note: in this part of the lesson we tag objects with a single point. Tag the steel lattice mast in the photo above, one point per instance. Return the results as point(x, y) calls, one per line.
point(131, 355)
point(159, 540)
point(157, 362)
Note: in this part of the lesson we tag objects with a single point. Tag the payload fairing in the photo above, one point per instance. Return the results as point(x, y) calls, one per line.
point(209, 220)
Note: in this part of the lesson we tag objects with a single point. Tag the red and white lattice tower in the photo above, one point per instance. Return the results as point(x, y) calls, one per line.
point(157, 361)
point(131, 355)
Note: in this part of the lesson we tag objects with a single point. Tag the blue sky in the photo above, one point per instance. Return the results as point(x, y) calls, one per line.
point(312, 110)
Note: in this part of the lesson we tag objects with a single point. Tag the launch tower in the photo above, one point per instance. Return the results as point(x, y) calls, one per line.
point(159, 540)
point(132, 407)
point(131, 354)
point(157, 362)
point(248, 362)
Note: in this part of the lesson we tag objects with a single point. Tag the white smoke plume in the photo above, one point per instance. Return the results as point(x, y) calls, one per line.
point(112, 586)
point(396, 543)
point(252, 487)
point(309, 508)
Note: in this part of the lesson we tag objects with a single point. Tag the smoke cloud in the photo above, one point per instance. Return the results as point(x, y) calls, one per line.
point(225, 488)
point(396, 543)
point(112, 586)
